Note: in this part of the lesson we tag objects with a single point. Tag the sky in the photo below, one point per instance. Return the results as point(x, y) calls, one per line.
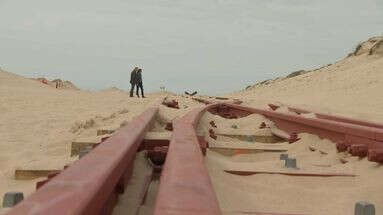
point(209, 46)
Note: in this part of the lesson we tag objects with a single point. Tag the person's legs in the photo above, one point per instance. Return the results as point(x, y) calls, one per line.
point(131, 89)
point(142, 90)
point(137, 88)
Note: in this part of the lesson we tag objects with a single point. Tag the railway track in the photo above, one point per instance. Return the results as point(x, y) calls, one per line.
point(93, 184)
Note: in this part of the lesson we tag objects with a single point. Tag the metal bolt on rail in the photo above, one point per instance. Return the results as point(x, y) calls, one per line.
point(12, 198)
point(291, 163)
point(364, 208)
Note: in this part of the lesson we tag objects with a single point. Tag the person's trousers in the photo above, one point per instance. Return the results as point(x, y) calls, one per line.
point(132, 85)
point(140, 86)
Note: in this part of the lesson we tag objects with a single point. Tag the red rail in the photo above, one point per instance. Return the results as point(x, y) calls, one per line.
point(185, 186)
point(335, 118)
point(333, 130)
point(91, 185)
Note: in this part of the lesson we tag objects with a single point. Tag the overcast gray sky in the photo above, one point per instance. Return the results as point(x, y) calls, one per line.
point(214, 46)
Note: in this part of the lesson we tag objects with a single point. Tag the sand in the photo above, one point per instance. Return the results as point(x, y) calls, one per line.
point(351, 87)
point(291, 194)
point(38, 123)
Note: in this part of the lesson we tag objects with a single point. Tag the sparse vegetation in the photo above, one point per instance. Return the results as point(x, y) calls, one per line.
point(296, 73)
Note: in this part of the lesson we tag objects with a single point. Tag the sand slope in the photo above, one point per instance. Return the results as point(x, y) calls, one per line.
point(38, 123)
point(350, 87)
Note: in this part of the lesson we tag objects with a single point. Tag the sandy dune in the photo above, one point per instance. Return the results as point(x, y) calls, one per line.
point(38, 122)
point(350, 87)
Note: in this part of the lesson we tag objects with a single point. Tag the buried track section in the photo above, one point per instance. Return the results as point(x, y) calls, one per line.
point(359, 138)
point(92, 184)
point(185, 185)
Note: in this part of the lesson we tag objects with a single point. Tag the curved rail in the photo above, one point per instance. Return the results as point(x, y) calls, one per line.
point(333, 117)
point(325, 128)
point(185, 185)
point(91, 185)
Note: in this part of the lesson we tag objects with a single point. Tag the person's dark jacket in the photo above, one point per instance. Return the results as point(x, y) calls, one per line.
point(133, 77)
point(138, 77)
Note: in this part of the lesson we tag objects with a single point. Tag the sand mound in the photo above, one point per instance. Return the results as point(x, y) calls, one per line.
point(373, 46)
point(113, 90)
point(377, 49)
point(39, 122)
point(58, 83)
point(368, 46)
point(348, 87)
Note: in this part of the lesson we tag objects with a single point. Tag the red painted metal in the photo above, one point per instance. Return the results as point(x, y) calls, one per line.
point(169, 126)
point(203, 144)
point(52, 175)
point(342, 146)
point(293, 137)
point(171, 104)
point(359, 150)
point(49, 177)
point(237, 102)
point(95, 145)
point(333, 130)
point(375, 155)
point(185, 186)
point(104, 139)
point(91, 185)
point(228, 112)
point(257, 213)
point(39, 184)
point(273, 107)
point(245, 173)
point(335, 118)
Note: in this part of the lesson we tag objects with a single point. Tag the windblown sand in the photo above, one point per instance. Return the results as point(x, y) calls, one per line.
point(275, 193)
point(351, 87)
point(38, 123)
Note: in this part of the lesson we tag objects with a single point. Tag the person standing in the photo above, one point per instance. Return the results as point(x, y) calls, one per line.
point(133, 80)
point(139, 83)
